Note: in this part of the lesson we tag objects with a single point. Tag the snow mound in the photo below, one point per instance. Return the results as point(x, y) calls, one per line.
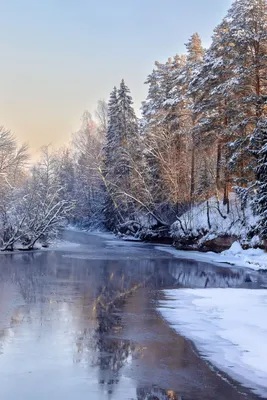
point(228, 326)
point(252, 258)
point(234, 250)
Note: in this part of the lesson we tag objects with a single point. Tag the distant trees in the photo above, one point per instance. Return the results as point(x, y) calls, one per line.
point(102, 118)
point(13, 160)
point(88, 190)
point(34, 210)
point(43, 208)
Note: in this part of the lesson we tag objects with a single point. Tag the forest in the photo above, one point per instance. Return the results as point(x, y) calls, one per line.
point(192, 168)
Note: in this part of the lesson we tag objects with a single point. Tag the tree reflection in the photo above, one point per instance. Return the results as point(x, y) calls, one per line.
point(155, 393)
point(92, 296)
point(113, 352)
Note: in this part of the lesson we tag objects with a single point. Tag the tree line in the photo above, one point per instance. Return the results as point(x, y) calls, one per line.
point(203, 134)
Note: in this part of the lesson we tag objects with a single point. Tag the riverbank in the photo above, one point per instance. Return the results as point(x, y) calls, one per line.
point(255, 259)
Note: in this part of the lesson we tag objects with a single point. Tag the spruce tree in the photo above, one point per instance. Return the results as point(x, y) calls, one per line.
point(121, 151)
point(111, 212)
point(128, 131)
point(129, 147)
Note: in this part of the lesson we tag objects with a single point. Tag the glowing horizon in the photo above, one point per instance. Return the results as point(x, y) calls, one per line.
point(61, 57)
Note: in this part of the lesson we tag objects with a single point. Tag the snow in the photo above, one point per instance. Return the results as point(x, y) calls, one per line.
point(228, 327)
point(252, 258)
point(194, 223)
point(100, 233)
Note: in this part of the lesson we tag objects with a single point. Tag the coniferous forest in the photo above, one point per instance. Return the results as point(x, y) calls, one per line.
point(193, 168)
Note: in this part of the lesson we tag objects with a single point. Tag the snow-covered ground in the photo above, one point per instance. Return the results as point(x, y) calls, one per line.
point(104, 235)
point(211, 219)
point(228, 326)
point(252, 258)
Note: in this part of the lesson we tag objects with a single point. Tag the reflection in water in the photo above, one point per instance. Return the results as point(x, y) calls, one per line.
point(112, 354)
point(72, 310)
point(155, 393)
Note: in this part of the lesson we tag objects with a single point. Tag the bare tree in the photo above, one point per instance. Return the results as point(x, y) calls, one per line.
point(35, 211)
point(102, 118)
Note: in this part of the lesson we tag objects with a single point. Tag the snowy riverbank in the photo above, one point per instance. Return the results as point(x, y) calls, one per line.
point(252, 258)
point(228, 327)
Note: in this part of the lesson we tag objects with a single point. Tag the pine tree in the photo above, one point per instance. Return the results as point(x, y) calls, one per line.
point(260, 200)
point(195, 50)
point(195, 54)
point(247, 50)
point(181, 102)
point(215, 106)
point(159, 83)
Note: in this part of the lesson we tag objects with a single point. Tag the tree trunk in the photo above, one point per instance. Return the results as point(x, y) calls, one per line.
point(218, 165)
point(192, 186)
point(208, 214)
point(226, 193)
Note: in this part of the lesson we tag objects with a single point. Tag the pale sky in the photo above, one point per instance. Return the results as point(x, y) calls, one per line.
point(58, 57)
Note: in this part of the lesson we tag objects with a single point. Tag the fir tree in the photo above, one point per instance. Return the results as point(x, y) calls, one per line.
point(128, 132)
point(108, 173)
point(112, 129)
point(121, 151)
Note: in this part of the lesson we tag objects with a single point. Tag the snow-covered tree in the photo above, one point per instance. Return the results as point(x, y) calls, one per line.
point(247, 51)
point(121, 155)
point(109, 170)
point(102, 118)
point(88, 191)
point(212, 88)
point(260, 185)
point(36, 211)
point(13, 160)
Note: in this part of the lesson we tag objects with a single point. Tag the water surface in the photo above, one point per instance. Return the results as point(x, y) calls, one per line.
point(81, 323)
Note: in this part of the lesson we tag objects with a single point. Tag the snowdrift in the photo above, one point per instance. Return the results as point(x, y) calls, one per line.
point(210, 220)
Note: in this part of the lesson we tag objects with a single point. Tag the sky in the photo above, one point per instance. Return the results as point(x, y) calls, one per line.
point(58, 57)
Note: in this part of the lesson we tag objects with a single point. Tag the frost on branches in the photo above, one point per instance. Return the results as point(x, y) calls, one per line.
point(33, 208)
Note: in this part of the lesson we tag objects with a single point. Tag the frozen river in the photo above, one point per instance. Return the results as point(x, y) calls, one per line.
point(81, 322)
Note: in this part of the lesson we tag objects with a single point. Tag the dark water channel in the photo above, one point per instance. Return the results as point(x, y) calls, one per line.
point(82, 323)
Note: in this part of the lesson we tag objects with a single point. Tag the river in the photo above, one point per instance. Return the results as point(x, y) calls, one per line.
point(81, 322)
